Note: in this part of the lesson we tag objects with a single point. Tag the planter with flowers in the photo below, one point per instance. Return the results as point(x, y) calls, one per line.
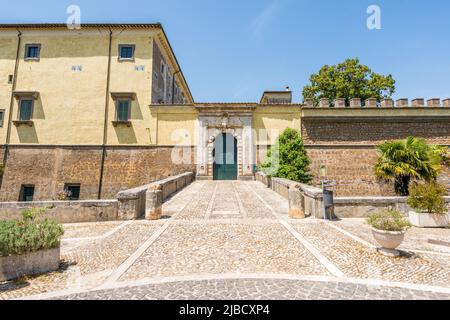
point(389, 228)
point(428, 202)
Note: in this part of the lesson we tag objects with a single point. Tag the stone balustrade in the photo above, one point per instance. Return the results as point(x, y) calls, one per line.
point(146, 201)
point(303, 199)
point(373, 103)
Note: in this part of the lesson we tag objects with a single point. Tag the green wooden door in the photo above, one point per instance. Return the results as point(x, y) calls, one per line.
point(225, 158)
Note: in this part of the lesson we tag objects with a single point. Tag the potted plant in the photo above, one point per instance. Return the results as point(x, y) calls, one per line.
point(388, 229)
point(29, 246)
point(429, 204)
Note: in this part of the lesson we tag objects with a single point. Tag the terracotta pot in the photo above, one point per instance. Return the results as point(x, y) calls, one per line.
point(390, 240)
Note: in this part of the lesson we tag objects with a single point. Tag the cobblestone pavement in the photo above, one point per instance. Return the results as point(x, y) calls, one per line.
point(212, 229)
point(254, 289)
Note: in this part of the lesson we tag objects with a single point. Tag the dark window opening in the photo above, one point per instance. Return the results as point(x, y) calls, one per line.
point(126, 52)
point(32, 51)
point(25, 110)
point(26, 193)
point(2, 117)
point(73, 191)
point(123, 110)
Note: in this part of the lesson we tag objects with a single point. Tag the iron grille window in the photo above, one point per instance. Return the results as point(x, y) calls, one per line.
point(2, 117)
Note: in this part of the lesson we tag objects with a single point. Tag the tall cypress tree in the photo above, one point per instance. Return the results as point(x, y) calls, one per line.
point(288, 158)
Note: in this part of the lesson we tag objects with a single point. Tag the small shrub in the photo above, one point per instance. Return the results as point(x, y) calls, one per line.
point(428, 198)
point(63, 195)
point(388, 220)
point(27, 235)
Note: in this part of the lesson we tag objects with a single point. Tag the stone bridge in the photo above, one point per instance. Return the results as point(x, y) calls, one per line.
point(234, 240)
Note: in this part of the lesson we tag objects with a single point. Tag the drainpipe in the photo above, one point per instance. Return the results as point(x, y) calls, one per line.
point(173, 86)
point(105, 124)
point(11, 104)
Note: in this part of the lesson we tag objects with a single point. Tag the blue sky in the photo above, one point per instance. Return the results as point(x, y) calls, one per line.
point(233, 50)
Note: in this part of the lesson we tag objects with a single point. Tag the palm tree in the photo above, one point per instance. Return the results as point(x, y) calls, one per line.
point(404, 160)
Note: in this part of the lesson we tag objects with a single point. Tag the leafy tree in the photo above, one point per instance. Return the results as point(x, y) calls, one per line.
point(288, 158)
point(403, 160)
point(348, 80)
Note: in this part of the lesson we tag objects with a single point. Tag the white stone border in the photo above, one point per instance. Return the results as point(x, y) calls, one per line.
point(241, 276)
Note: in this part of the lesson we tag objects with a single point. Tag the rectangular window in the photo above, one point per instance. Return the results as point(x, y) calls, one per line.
point(126, 52)
point(123, 110)
point(2, 117)
point(32, 51)
point(73, 190)
point(25, 109)
point(26, 193)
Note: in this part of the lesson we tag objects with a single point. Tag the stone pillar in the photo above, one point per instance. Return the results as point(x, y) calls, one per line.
point(433, 103)
point(418, 102)
point(402, 103)
point(339, 103)
point(371, 103)
point(296, 202)
point(309, 103)
point(387, 103)
point(153, 208)
point(355, 103)
point(324, 103)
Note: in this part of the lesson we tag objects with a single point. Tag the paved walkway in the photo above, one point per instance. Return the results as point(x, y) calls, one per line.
point(233, 240)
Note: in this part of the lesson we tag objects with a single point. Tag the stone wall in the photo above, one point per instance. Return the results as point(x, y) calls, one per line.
point(49, 168)
point(373, 131)
point(351, 167)
point(65, 211)
point(127, 168)
point(346, 147)
point(362, 207)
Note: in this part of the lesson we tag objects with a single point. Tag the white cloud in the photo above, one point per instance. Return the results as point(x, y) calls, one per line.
point(264, 17)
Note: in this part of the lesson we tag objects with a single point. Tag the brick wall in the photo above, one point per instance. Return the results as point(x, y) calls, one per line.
point(126, 168)
point(48, 168)
point(373, 131)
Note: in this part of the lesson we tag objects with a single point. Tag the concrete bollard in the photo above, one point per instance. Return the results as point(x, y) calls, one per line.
point(153, 208)
point(296, 202)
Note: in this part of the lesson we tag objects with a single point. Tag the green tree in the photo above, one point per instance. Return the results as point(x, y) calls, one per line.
point(348, 80)
point(403, 160)
point(288, 158)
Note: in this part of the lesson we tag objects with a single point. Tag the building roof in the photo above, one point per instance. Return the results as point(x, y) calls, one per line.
point(83, 25)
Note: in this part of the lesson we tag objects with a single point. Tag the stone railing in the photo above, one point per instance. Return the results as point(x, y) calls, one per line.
point(373, 103)
point(362, 207)
point(263, 178)
point(64, 211)
point(146, 201)
point(303, 199)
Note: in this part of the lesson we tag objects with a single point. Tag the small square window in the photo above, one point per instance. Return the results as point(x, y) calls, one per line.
point(26, 193)
point(73, 190)
point(123, 110)
point(126, 52)
point(32, 51)
point(25, 109)
point(2, 117)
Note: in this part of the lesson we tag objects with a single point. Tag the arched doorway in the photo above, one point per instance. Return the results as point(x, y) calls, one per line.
point(225, 155)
